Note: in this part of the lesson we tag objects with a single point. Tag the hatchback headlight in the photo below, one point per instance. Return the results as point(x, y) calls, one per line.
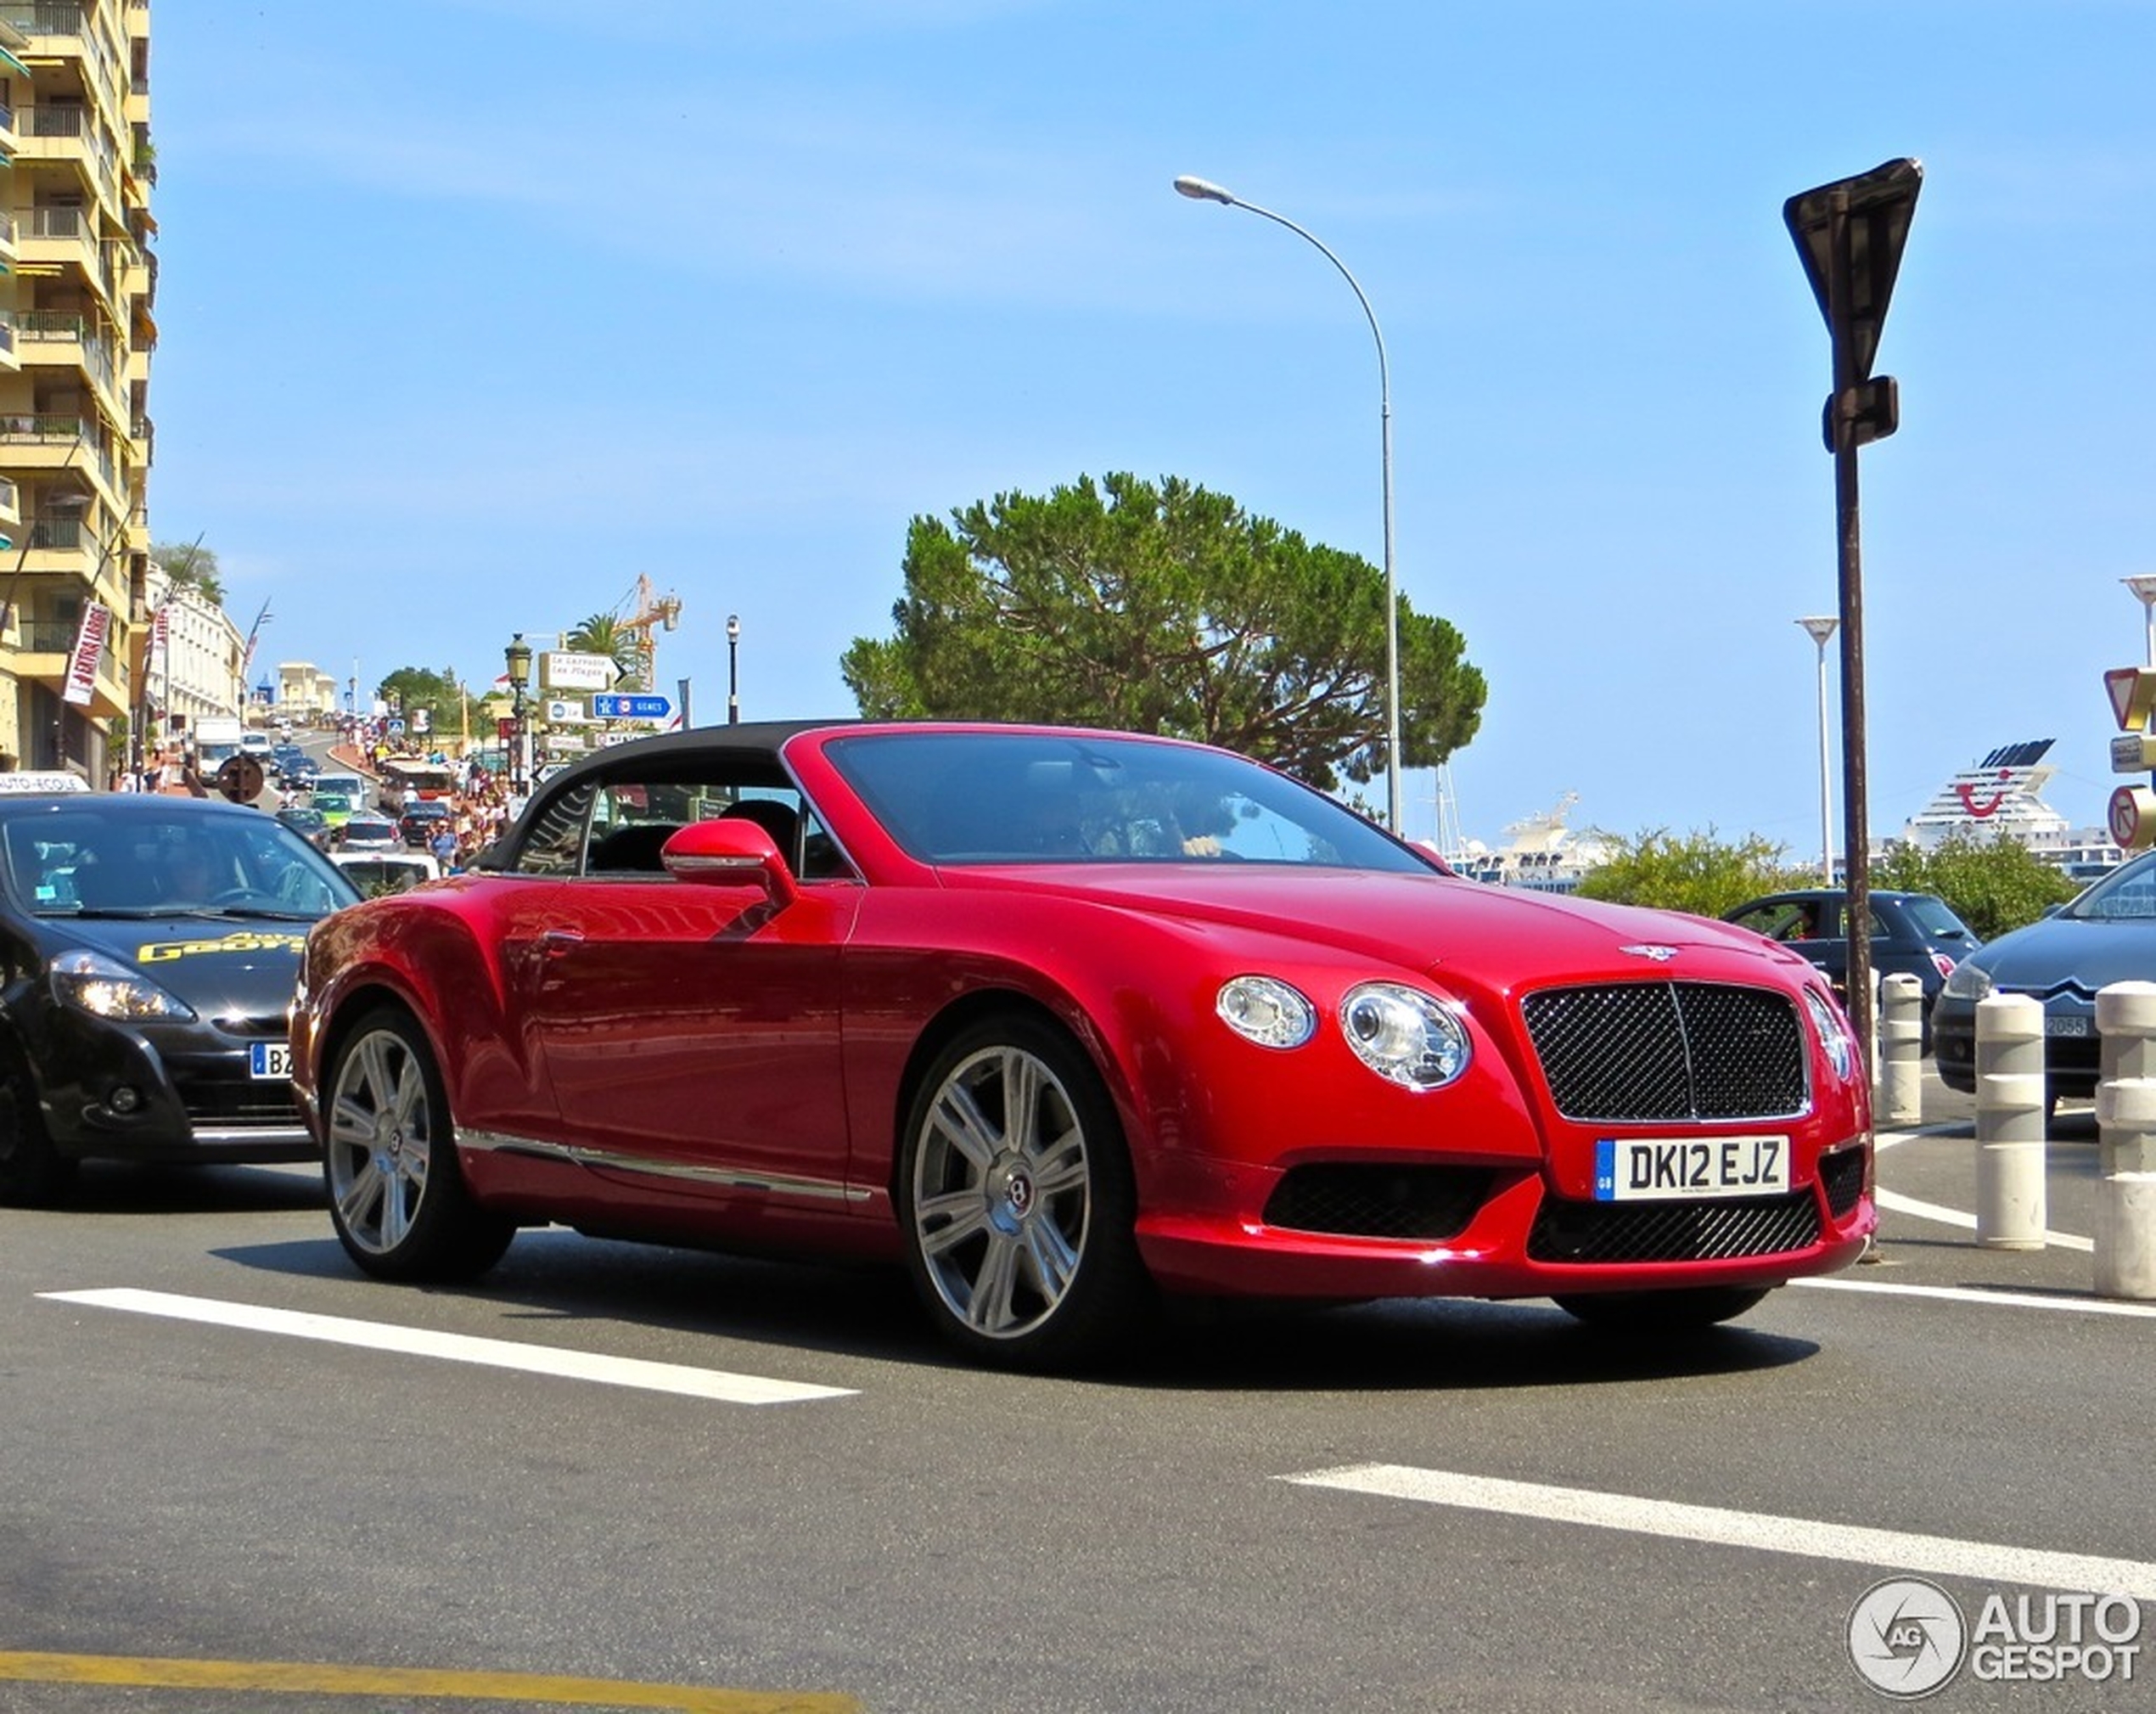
point(106, 988)
point(1968, 982)
point(1266, 1010)
point(1405, 1036)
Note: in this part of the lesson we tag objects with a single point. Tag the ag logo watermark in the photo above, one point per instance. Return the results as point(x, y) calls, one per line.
point(1908, 1637)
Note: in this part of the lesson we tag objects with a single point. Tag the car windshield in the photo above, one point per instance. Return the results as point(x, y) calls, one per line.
point(91, 863)
point(2127, 895)
point(972, 797)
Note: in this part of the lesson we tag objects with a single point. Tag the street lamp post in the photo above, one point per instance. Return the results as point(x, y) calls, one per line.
point(1202, 190)
point(518, 657)
point(1820, 630)
point(733, 669)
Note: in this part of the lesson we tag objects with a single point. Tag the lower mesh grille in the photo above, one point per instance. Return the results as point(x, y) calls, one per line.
point(1358, 1200)
point(1717, 1231)
point(268, 1102)
point(1841, 1176)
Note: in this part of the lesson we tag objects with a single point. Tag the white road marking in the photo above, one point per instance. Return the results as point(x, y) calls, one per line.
point(456, 1347)
point(1942, 1555)
point(1895, 1202)
point(1963, 1294)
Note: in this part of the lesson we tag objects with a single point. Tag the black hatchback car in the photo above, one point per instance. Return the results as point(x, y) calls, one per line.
point(1912, 934)
point(149, 946)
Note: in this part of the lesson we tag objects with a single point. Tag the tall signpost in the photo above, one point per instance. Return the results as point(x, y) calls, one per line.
point(1850, 235)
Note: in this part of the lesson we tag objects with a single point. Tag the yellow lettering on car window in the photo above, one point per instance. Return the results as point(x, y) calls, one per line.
point(244, 941)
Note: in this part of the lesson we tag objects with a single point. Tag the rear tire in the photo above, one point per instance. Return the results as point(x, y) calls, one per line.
point(33, 1174)
point(397, 1196)
point(1686, 1309)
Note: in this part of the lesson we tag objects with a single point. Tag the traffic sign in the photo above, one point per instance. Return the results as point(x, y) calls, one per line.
point(560, 669)
point(240, 778)
point(2132, 818)
point(632, 707)
point(2134, 753)
point(2133, 695)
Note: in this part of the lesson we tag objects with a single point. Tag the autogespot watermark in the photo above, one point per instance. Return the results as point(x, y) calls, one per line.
point(1908, 1637)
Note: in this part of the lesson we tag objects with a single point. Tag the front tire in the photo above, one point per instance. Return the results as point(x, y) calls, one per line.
point(397, 1196)
point(1686, 1310)
point(33, 1174)
point(1016, 1199)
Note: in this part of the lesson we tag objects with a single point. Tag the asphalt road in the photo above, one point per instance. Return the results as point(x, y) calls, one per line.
point(1393, 1507)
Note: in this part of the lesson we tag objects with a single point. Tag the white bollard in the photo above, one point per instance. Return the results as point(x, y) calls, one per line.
point(1901, 1051)
point(2010, 1188)
point(2125, 1117)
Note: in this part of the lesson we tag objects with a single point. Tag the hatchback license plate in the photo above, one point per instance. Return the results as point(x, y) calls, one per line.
point(269, 1059)
point(2067, 1027)
point(1671, 1169)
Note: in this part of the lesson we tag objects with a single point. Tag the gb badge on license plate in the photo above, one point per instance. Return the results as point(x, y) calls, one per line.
point(1673, 1169)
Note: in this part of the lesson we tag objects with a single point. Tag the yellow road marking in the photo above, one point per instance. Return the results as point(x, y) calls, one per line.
point(532, 1689)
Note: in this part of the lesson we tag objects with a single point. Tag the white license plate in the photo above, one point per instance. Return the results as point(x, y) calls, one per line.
point(1674, 1169)
point(270, 1059)
point(2068, 1027)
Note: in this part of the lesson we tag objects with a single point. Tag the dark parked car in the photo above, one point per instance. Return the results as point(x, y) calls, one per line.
point(1912, 934)
point(2108, 934)
point(150, 945)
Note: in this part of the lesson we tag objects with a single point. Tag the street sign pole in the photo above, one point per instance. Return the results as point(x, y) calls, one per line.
point(1856, 822)
point(1850, 236)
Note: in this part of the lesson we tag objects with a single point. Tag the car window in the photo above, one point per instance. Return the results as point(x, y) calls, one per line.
point(2125, 895)
point(1780, 920)
point(996, 798)
point(1935, 920)
point(615, 827)
point(134, 864)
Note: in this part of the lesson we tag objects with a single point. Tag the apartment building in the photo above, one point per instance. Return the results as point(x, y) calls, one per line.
point(75, 337)
point(196, 663)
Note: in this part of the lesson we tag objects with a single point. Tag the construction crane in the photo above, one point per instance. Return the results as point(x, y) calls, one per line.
point(653, 610)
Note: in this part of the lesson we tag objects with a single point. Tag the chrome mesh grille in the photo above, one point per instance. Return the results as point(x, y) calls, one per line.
point(1717, 1231)
point(1668, 1051)
point(1841, 1176)
point(1377, 1201)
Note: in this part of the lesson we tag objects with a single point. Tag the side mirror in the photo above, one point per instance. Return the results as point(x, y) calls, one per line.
point(730, 853)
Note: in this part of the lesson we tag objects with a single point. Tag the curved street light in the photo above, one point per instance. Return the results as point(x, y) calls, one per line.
point(1204, 190)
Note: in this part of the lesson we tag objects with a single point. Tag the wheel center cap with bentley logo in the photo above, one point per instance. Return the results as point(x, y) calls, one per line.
point(1010, 1196)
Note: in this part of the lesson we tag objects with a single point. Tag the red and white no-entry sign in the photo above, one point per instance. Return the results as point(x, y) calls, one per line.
point(2133, 817)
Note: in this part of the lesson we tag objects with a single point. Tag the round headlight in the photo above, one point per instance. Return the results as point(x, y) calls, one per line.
point(1267, 1011)
point(1403, 1035)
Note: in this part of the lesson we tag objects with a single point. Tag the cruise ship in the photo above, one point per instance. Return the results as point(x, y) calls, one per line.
point(2001, 797)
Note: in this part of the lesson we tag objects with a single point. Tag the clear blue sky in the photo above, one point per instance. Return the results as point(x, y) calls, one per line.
point(470, 310)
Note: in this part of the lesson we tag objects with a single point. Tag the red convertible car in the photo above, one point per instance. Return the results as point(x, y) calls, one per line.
point(1065, 1021)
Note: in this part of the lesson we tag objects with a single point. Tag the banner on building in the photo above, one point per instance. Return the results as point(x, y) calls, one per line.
point(89, 644)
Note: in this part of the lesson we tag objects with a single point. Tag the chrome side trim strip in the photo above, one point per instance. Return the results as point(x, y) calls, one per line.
point(612, 1161)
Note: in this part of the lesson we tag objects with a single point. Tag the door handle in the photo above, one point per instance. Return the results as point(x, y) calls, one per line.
point(555, 941)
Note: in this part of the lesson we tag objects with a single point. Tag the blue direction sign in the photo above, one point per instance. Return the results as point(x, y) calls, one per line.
point(632, 707)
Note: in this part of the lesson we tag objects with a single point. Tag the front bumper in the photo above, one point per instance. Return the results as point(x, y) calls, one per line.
point(1517, 1239)
point(165, 1091)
